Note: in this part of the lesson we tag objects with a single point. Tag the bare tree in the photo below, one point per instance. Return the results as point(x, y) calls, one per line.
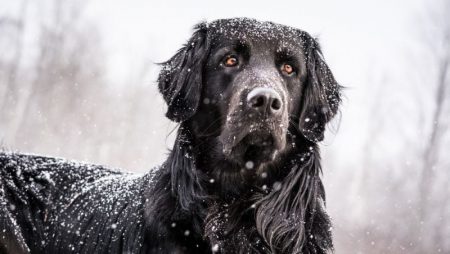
point(10, 68)
point(441, 48)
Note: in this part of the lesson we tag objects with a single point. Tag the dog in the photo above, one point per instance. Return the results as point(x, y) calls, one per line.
point(252, 100)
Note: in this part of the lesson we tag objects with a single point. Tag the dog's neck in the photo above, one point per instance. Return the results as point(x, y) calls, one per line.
point(281, 206)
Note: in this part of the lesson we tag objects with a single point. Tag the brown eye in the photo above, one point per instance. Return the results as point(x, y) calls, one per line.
point(287, 68)
point(230, 61)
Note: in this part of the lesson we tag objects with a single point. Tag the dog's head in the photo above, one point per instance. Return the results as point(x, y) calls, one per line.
point(252, 88)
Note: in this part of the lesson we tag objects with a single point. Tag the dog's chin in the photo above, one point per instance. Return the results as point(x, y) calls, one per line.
point(254, 150)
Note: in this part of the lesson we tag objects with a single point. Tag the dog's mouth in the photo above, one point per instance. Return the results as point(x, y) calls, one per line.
point(254, 148)
point(258, 147)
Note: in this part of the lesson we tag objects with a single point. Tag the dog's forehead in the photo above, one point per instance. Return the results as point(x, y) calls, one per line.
point(253, 30)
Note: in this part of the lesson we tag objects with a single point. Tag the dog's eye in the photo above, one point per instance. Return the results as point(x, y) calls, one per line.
point(230, 61)
point(287, 68)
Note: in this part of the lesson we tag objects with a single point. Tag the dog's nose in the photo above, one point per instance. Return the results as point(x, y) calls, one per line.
point(265, 100)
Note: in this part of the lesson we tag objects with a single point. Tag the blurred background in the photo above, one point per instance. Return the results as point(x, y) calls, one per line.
point(77, 80)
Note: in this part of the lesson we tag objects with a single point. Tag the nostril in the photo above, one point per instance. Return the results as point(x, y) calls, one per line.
point(258, 102)
point(276, 104)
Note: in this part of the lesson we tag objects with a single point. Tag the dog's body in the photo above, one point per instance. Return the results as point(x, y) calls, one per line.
point(253, 99)
point(52, 206)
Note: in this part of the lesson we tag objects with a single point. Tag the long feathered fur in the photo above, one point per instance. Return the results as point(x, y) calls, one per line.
point(286, 218)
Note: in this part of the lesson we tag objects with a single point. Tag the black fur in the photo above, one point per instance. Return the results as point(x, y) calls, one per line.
point(206, 197)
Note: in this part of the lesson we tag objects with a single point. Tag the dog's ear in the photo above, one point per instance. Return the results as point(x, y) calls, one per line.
point(321, 93)
point(180, 80)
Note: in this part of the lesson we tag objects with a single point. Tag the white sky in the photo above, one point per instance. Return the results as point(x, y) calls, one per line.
point(352, 32)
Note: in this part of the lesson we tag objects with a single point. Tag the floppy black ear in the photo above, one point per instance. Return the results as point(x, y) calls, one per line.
point(180, 79)
point(321, 93)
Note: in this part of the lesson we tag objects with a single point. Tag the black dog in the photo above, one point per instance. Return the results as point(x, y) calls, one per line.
point(253, 99)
